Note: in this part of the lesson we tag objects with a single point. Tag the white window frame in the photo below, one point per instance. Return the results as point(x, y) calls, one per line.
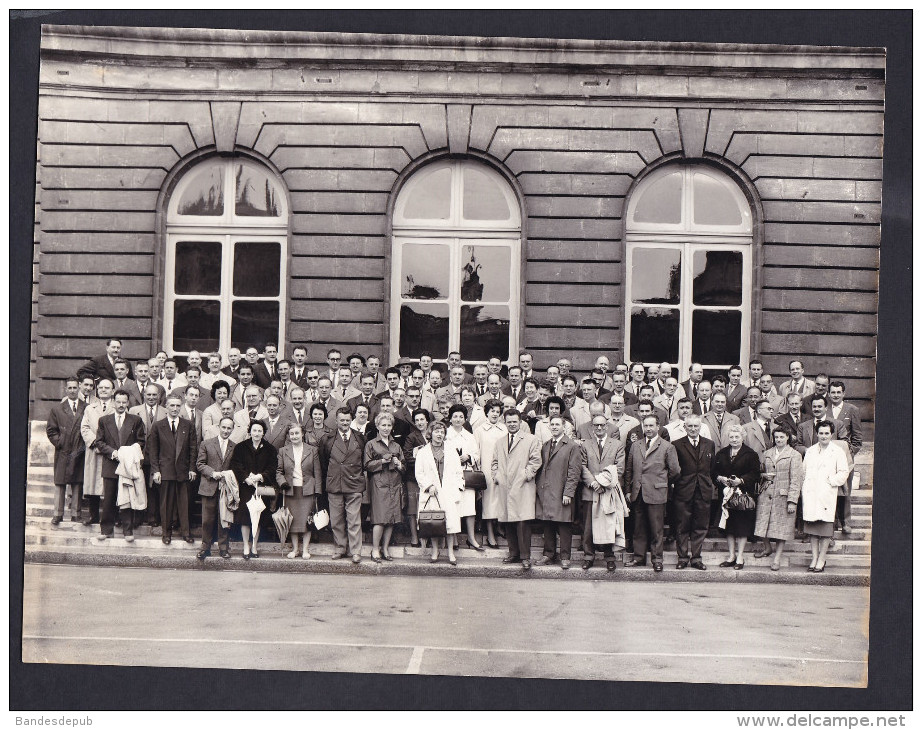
point(690, 238)
point(457, 233)
point(227, 229)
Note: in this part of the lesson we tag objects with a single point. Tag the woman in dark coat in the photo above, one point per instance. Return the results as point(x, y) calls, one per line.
point(254, 463)
point(415, 440)
point(737, 467)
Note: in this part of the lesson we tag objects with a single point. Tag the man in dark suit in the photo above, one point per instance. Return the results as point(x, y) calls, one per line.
point(847, 414)
point(736, 390)
point(101, 366)
point(651, 466)
point(63, 431)
point(171, 451)
point(149, 413)
point(694, 491)
point(695, 377)
point(140, 382)
point(299, 367)
point(342, 460)
point(214, 457)
point(806, 430)
point(556, 483)
point(646, 395)
point(366, 397)
point(618, 381)
point(516, 388)
point(122, 380)
point(264, 372)
point(747, 412)
point(324, 389)
point(637, 433)
point(600, 450)
point(233, 363)
point(791, 418)
point(277, 423)
point(114, 431)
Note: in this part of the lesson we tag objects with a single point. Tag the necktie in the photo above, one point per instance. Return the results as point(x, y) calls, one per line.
point(223, 447)
point(73, 406)
point(152, 416)
point(816, 425)
point(173, 426)
point(601, 442)
point(119, 420)
point(300, 421)
point(649, 441)
point(797, 386)
point(104, 409)
point(169, 385)
point(704, 406)
point(345, 437)
point(253, 414)
point(511, 437)
point(768, 434)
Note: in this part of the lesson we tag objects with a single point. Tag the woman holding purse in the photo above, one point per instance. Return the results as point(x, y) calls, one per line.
point(825, 470)
point(413, 443)
point(736, 467)
point(782, 476)
point(299, 478)
point(441, 484)
point(254, 464)
point(460, 438)
point(384, 466)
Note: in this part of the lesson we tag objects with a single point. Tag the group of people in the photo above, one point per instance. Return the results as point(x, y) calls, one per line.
point(627, 456)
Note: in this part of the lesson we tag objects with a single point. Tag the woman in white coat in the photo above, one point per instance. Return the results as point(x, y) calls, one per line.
point(825, 470)
point(441, 484)
point(463, 440)
point(486, 435)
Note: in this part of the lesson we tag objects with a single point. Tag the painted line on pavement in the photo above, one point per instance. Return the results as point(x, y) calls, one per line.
point(473, 650)
point(415, 660)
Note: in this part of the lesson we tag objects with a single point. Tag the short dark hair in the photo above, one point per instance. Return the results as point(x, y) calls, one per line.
point(318, 407)
point(512, 412)
point(837, 384)
point(555, 399)
point(421, 411)
point(718, 379)
point(358, 356)
point(567, 377)
point(245, 366)
point(685, 400)
point(113, 339)
point(195, 368)
point(332, 350)
point(121, 361)
point(755, 361)
point(825, 424)
point(121, 391)
point(343, 411)
point(298, 347)
point(799, 362)
point(270, 344)
point(220, 383)
point(393, 370)
point(494, 403)
point(816, 397)
point(735, 367)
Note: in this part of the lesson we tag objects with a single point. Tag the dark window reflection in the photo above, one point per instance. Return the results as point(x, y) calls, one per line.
point(485, 332)
point(656, 275)
point(204, 195)
point(425, 271)
point(654, 334)
point(198, 267)
point(254, 324)
point(256, 195)
point(196, 325)
point(716, 337)
point(485, 273)
point(718, 278)
point(424, 327)
point(256, 269)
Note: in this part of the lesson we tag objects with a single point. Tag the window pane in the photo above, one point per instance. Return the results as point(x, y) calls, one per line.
point(483, 198)
point(196, 325)
point(715, 205)
point(198, 267)
point(256, 268)
point(718, 278)
point(424, 327)
point(425, 271)
point(430, 196)
point(254, 324)
point(485, 273)
point(485, 332)
point(654, 334)
point(716, 337)
point(256, 193)
point(656, 276)
point(204, 194)
point(662, 201)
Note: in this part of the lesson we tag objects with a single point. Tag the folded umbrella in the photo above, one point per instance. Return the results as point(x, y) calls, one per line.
point(282, 518)
point(255, 506)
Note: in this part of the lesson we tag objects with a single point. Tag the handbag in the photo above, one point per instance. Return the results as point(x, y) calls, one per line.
point(320, 519)
point(431, 522)
point(741, 502)
point(475, 480)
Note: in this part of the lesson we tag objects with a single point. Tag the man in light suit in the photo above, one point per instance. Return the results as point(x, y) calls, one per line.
point(233, 363)
point(212, 430)
point(141, 381)
point(767, 388)
point(455, 384)
point(718, 420)
point(214, 456)
point(342, 462)
point(238, 394)
point(114, 431)
point(646, 394)
point(556, 483)
point(324, 387)
point(676, 426)
point(694, 492)
point(494, 390)
point(63, 431)
point(277, 423)
point(668, 400)
point(172, 450)
point(253, 410)
point(101, 366)
point(798, 383)
point(757, 434)
point(806, 430)
point(600, 450)
point(847, 414)
point(652, 464)
point(149, 413)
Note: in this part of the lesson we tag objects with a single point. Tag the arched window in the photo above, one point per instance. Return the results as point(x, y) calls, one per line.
point(689, 270)
point(226, 258)
point(455, 266)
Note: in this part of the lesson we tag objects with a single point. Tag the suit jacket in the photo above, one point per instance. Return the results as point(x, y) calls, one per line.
point(63, 431)
point(299, 378)
point(558, 477)
point(735, 396)
point(373, 405)
point(593, 463)
point(754, 436)
point(142, 413)
point(97, 368)
point(661, 414)
point(261, 375)
point(109, 439)
point(686, 385)
point(808, 388)
point(196, 420)
point(332, 405)
point(210, 461)
point(343, 464)
point(649, 472)
point(696, 465)
point(660, 401)
point(789, 421)
point(719, 435)
point(242, 422)
point(518, 393)
point(743, 414)
point(172, 456)
point(278, 436)
point(806, 436)
point(585, 431)
point(851, 419)
point(237, 395)
point(131, 387)
point(629, 398)
point(311, 471)
point(136, 396)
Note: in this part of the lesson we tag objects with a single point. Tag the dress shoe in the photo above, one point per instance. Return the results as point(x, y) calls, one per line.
point(56, 520)
point(775, 567)
point(254, 554)
point(356, 559)
point(739, 566)
point(166, 539)
point(246, 556)
point(512, 559)
point(587, 564)
point(376, 558)
point(543, 560)
point(820, 568)
point(728, 563)
point(102, 536)
point(846, 530)
point(681, 565)
point(453, 561)
point(565, 564)
point(189, 539)
point(610, 566)
point(337, 556)
point(526, 565)
point(635, 563)
point(416, 544)
point(87, 521)
point(698, 565)
point(225, 554)
point(493, 545)
point(202, 554)
point(129, 537)
point(474, 546)
point(657, 567)
point(387, 558)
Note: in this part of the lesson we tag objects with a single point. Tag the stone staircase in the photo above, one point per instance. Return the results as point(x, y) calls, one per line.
point(849, 560)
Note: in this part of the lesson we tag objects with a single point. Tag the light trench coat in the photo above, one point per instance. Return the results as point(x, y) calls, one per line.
point(514, 472)
point(448, 490)
point(465, 441)
point(92, 465)
point(824, 472)
point(487, 435)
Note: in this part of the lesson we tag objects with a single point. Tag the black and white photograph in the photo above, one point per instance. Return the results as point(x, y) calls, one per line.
point(453, 355)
